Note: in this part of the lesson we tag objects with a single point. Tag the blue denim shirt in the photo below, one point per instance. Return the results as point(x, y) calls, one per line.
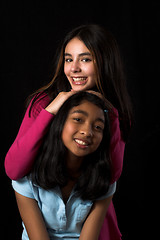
point(63, 221)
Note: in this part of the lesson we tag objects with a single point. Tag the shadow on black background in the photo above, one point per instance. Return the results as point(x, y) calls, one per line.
point(31, 33)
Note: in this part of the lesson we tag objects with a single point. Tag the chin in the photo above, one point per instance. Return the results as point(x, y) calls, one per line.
point(77, 89)
point(81, 88)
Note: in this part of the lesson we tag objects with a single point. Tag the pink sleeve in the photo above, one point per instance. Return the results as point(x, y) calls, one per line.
point(22, 153)
point(117, 147)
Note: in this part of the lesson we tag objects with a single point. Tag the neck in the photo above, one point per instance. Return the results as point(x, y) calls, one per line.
point(73, 164)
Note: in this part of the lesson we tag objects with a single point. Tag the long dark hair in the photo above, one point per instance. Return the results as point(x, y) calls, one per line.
point(49, 169)
point(110, 80)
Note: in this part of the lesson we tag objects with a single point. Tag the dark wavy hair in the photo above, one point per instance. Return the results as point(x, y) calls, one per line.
point(50, 170)
point(110, 81)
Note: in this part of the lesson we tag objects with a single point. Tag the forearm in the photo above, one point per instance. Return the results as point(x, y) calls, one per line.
point(32, 218)
point(92, 226)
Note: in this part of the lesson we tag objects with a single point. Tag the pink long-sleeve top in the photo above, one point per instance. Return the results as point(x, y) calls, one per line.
point(22, 153)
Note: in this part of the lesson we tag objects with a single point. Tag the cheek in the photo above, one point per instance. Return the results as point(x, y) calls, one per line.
point(64, 133)
point(98, 141)
point(67, 133)
point(66, 69)
point(90, 70)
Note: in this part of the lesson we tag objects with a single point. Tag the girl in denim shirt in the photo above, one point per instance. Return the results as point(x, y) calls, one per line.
point(68, 192)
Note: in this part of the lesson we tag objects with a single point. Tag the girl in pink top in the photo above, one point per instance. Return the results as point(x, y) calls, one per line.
point(89, 60)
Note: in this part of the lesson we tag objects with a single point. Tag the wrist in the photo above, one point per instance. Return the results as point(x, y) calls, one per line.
point(51, 110)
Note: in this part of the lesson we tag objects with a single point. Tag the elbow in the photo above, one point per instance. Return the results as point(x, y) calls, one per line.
point(11, 174)
point(10, 168)
point(116, 175)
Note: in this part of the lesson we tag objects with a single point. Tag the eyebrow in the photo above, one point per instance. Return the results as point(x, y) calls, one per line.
point(86, 114)
point(81, 54)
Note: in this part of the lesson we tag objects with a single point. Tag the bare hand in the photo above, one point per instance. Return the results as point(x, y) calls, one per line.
point(109, 104)
point(55, 105)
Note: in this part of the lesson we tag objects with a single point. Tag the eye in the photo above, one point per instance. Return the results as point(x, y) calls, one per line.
point(98, 128)
point(68, 60)
point(77, 119)
point(86, 60)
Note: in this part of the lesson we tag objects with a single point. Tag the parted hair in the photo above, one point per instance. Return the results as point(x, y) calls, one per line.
point(110, 81)
point(50, 169)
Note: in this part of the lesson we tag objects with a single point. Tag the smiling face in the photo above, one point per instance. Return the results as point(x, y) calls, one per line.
point(79, 66)
point(83, 130)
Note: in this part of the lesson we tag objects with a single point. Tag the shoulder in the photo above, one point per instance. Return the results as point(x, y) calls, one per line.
point(38, 102)
point(23, 186)
point(110, 192)
point(113, 114)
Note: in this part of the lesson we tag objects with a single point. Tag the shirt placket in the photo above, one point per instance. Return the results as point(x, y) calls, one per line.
point(62, 212)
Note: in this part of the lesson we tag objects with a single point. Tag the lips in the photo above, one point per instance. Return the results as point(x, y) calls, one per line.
point(79, 80)
point(82, 143)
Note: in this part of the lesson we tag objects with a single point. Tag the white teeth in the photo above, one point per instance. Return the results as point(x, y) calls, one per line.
point(81, 142)
point(79, 79)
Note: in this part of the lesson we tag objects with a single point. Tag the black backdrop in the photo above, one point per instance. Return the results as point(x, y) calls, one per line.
point(31, 32)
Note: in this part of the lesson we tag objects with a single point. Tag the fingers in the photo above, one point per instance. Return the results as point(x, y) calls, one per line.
point(55, 105)
point(107, 102)
point(96, 93)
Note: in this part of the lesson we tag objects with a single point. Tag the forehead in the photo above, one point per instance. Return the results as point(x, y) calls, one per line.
point(75, 45)
point(89, 110)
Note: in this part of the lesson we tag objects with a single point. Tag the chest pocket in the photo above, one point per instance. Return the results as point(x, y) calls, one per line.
point(83, 211)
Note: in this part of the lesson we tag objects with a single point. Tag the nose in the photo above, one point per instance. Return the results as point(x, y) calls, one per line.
point(86, 130)
point(75, 67)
